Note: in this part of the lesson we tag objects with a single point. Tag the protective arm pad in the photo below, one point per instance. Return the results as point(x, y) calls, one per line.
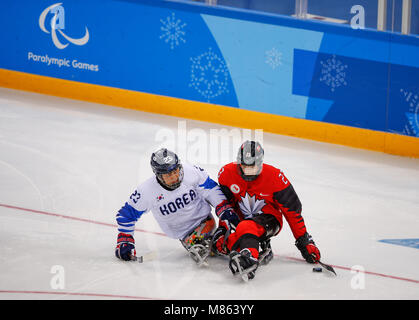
point(291, 207)
point(289, 199)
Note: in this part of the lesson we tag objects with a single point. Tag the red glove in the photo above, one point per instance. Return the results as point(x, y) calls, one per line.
point(308, 248)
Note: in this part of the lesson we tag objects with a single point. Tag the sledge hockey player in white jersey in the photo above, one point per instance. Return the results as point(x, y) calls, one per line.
point(179, 196)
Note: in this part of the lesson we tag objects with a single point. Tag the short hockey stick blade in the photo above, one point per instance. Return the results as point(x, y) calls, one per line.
point(145, 257)
point(327, 267)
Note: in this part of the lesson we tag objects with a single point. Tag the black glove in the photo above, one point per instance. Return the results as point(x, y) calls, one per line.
point(125, 247)
point(218, 241)
point(308, 248)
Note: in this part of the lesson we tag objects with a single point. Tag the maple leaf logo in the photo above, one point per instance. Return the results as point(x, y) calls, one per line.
point(250, 206)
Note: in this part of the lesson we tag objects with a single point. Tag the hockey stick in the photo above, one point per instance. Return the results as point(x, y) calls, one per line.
point(146, 257)
point(327, 267)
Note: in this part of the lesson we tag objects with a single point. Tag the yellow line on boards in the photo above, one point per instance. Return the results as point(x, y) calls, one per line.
point(236, 117)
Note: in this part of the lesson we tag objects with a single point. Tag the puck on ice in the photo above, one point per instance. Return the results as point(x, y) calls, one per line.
point(317, 269)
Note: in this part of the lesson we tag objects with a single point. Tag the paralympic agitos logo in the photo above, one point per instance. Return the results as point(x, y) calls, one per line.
point(58, 24)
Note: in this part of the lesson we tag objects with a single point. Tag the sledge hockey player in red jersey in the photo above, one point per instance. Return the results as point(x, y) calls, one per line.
point(261, 195)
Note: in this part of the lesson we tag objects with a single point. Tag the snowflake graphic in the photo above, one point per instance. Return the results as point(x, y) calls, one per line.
point(273, 58)
point(333, 73)
point(209, 75)
point(250, 206)
point(412, 100)
point(172, 31)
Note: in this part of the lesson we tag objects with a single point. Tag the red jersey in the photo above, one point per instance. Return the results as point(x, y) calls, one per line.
point(270, 193)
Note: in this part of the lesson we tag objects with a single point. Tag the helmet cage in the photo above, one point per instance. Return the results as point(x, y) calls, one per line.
point(250, 154)
point(164, 161)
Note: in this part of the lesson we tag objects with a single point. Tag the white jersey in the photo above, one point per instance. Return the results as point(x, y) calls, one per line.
point(177, 211)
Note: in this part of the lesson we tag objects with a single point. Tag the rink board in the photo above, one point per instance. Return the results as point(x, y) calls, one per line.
point(315, 130)
point(243, 68)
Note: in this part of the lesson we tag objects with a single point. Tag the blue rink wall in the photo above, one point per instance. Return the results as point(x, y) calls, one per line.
point(258, 62)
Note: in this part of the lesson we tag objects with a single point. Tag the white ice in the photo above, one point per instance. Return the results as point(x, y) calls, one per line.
point(62, 159)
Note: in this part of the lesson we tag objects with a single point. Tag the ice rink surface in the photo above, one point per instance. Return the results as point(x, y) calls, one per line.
point(67, 167)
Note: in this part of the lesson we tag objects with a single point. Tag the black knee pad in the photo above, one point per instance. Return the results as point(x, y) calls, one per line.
point(269, 223)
